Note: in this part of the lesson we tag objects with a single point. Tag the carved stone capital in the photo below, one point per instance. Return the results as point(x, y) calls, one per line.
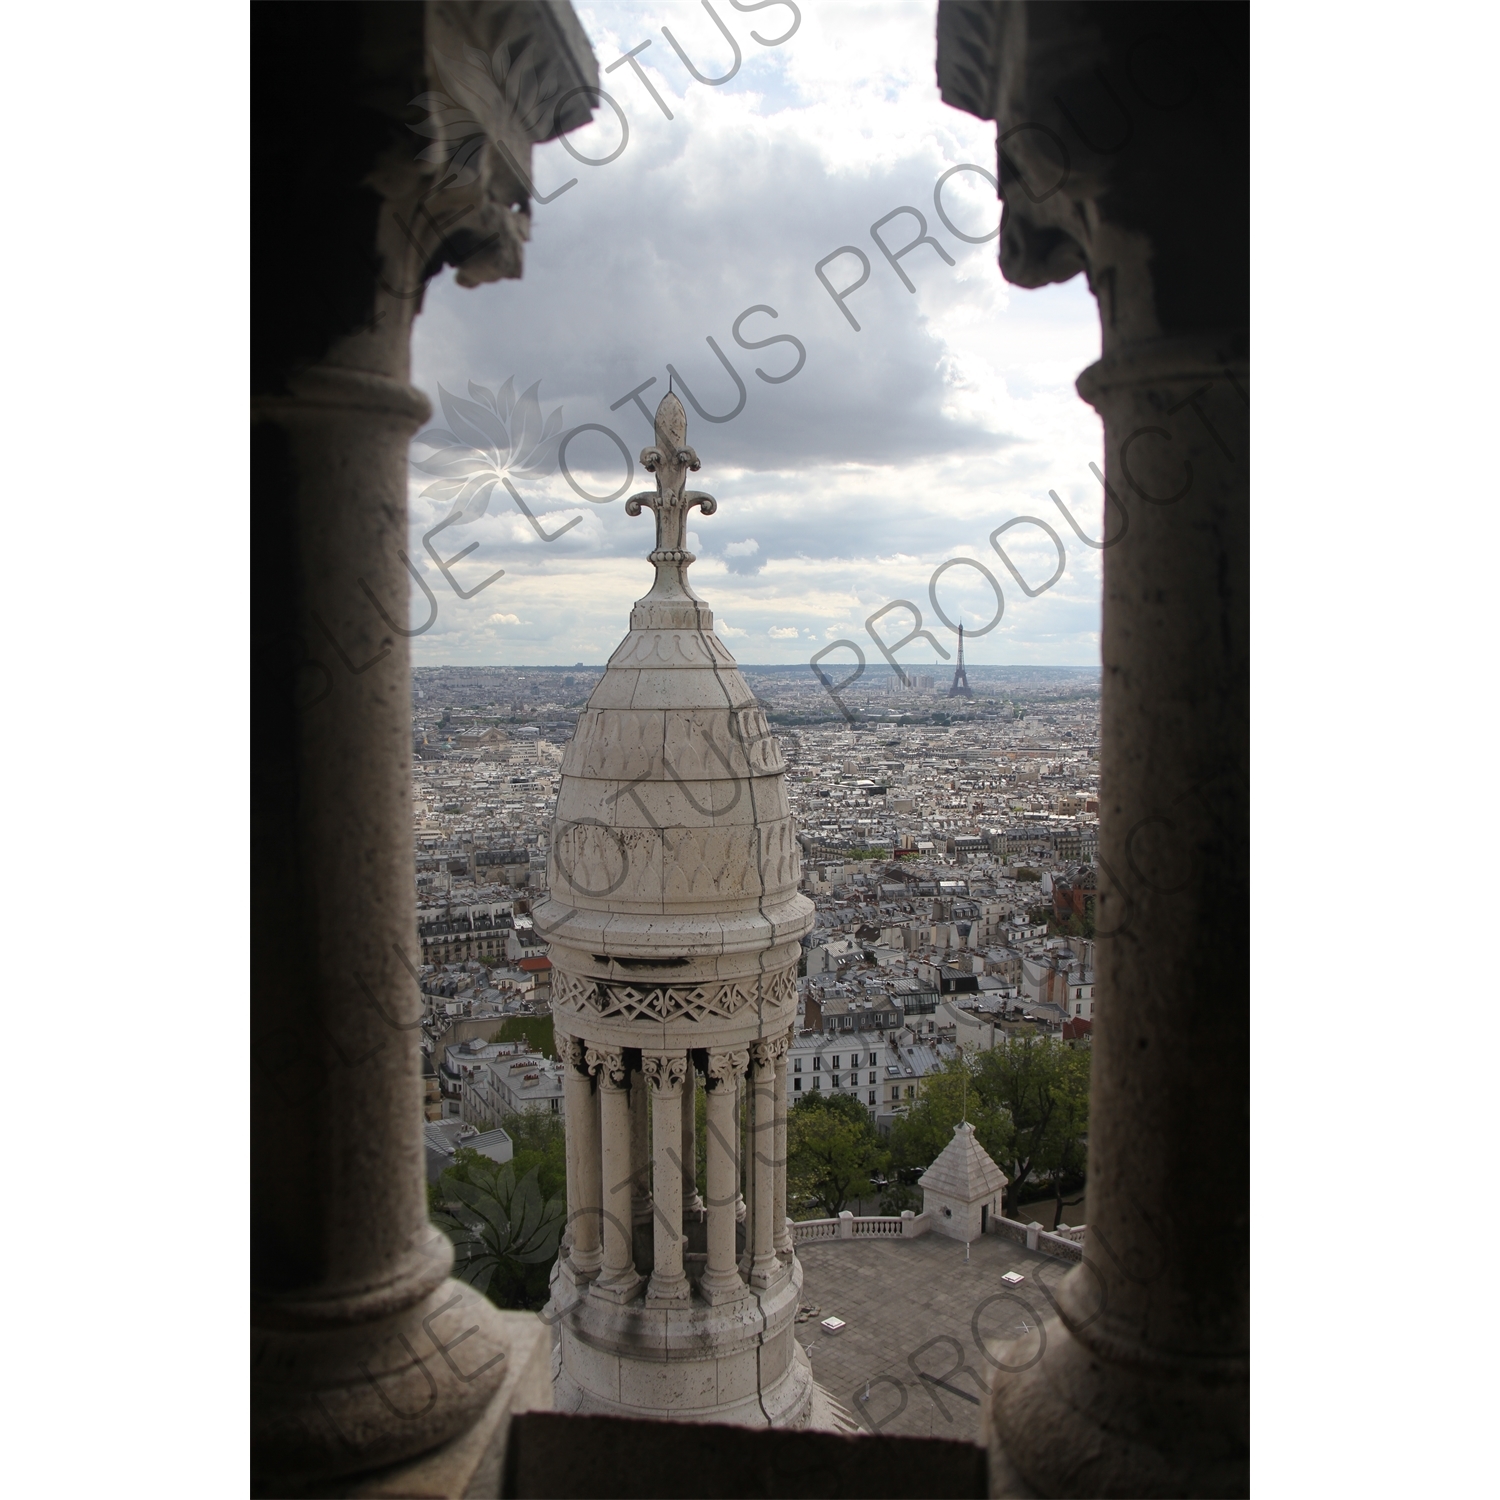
point(664, 1070)
point(725, 1066)
point(608, 1063)
point(480, 132)
point(768, 1051)
point(1088, 102)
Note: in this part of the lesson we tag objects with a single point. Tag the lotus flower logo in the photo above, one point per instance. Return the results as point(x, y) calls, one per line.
point(488, 437)
point(499, 1226)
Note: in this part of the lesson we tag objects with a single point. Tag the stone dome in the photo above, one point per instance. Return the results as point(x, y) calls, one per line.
point(674, 863)
point(675, 930)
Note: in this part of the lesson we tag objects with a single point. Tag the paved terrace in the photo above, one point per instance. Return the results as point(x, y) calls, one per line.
point(912, 1307)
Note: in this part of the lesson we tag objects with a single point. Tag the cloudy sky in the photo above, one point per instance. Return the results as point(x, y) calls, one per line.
point(891, 449)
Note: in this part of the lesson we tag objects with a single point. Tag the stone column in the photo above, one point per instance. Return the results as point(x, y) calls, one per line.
point(783, 1228)
point(721, 1278)
point(364, 1355)
point(618, 1280)
point(744, 1119)
point(666, 1075)
point(582, 1137)
point(741, 1162)
point(345, 1265)
point(764, 1266)
point(692, 1202)
point(640, 1154)
point(1166, 1294)
point(1143, 1386)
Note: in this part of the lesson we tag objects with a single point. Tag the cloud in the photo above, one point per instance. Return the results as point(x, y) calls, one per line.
point(742, 557)
point(847, 464)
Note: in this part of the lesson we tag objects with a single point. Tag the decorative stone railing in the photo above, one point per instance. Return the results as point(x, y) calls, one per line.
point(1010, 1229)
point(847, 1227)
point(1063, 1249)
point(814, 1229)
point(1067, 1244)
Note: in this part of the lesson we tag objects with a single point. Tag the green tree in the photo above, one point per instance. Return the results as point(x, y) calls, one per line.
point(943, 1099)
point(833, 1151)
point(1067, 1142)
point(535, 1031)
point(1044, 1087)
point(1028, 1100)
point(505, 1231)
point(540, 1142)
point(1074, 925)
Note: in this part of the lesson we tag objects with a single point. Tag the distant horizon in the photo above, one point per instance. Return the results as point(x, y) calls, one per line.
point(911, 667)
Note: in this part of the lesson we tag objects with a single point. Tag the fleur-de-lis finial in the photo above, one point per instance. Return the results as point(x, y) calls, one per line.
point(671, 459)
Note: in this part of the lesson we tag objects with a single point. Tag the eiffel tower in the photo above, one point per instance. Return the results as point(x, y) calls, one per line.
point(960, 688)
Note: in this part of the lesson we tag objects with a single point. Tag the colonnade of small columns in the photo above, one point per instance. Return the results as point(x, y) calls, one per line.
point(617, 1178)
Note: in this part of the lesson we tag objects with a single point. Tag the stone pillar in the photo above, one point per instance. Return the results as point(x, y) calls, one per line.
point(1167, 1289)
point(640, 1154)
point(618, 1280)
point(721, 1278)
point(745, 1139)
point(692, 1201)
point(741, 1155)
point(584, 1168)
point(1143, 1387)
point(347, 1273)
point(763, 1263)
point(666, 1076)
point(364, 1354)
point(783, 1226)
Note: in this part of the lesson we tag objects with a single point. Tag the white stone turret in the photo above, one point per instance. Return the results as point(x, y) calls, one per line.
point(961, 1189)
point(675, 925)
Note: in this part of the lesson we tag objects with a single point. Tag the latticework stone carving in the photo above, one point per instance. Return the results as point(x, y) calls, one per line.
point(669, 1002)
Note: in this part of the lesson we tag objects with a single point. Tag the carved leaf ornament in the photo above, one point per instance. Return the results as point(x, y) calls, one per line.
point(483, 96)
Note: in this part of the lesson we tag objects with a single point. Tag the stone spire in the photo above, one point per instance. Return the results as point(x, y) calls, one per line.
point(675, 927)
point(671, 600)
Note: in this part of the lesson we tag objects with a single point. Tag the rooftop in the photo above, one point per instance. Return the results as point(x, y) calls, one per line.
point(911, 1308)
point(963, 1170)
